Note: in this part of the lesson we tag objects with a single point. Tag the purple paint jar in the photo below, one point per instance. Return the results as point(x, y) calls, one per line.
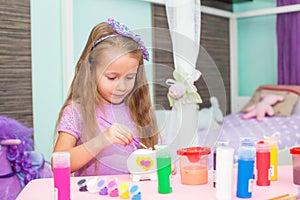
point(295, 152)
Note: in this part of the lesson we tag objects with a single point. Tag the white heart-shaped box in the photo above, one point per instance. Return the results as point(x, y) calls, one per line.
point(142, 165)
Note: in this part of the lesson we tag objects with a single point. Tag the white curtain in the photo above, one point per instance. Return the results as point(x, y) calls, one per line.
point(184, 19)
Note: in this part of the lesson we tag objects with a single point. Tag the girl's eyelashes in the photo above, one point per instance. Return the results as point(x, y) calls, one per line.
point(129, 77)
point(111, 78)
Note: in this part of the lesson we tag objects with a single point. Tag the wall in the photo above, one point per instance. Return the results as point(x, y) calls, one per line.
point(47, 72)
point(136, 14)
point(15, 61)
point(257, 48)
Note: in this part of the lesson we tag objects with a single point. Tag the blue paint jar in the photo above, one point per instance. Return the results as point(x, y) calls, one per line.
point(245, 175)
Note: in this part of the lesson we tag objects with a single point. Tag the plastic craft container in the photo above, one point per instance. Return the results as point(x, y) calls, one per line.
point(61, 170)
point(295, 152)
point(164, 169)
point(263, 163)
point(194, 165)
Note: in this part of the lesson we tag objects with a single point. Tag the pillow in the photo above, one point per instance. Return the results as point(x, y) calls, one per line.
point(296, 110)
point(290, 94)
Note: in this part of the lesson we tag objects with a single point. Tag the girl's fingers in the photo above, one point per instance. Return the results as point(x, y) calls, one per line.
point(122, 134)
point(125, 141)
point(174, 169)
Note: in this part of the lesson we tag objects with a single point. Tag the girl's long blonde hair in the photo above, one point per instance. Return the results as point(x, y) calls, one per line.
point(83, 89)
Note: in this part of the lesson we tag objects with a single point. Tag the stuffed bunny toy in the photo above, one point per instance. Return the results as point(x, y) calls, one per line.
point(210, 118)
point(263, 108)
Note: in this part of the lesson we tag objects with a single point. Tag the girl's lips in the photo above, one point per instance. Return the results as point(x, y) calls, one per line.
point(117, 96)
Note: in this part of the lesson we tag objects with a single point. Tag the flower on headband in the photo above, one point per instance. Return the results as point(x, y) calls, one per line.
point(122, 29)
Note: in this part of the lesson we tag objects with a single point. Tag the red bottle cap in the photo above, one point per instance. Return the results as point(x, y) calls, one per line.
point(295, 150)
point(194, 153)
point(262, 146)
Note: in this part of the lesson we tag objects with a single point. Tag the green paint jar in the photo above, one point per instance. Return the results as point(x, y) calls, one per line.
point(164, 169)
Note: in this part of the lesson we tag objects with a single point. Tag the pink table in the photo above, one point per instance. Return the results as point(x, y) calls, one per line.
point(43, 188)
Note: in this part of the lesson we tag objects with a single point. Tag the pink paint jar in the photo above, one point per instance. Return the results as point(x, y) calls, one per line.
point(295, 152)
point(194, 165)
point(61, 171)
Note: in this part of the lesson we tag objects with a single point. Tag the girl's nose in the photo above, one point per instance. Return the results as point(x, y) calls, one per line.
point(121, 86)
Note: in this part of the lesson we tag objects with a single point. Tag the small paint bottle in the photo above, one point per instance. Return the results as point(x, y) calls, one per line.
point(263, 163)
point(273, 140)
point(246, 161)
point(61, 170)
point(224, 172)
point(217, 144)
point(164, 169)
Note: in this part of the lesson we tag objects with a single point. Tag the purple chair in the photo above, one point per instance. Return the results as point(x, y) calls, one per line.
point(10, 185)
point(19, 163)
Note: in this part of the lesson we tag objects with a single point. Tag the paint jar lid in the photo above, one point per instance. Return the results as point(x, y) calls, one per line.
point(194, 153)
point(295, 150)
point(61, 159)
point(262, 146)
point(162, 150)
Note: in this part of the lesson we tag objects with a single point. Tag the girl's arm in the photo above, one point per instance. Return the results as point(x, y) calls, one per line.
point(82, 154)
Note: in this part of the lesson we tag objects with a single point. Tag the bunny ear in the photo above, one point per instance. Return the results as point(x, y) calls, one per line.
point(197, 75)
point(213, 100)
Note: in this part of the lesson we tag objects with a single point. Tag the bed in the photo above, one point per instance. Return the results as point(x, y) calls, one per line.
point(286, 121)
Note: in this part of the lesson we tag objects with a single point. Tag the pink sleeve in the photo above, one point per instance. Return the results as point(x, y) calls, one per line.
point(70, 121)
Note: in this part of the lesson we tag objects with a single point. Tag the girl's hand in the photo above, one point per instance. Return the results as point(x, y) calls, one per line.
point(174, 169)
point(118, 134)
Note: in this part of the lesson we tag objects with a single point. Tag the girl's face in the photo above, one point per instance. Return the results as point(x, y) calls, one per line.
point(117, 80)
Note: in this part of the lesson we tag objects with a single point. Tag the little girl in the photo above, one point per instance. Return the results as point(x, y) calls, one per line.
point(108, 104)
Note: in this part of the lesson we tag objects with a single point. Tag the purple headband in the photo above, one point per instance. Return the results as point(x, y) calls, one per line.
point(123, 30)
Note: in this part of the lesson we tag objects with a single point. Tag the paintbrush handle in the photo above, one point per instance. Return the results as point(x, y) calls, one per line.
point(138, 142)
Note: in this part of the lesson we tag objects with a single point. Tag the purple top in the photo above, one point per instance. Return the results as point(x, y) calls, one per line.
point(113, 159)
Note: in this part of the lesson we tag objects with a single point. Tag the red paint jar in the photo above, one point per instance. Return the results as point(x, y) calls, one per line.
point(263, 163)
point(194, 165)
point(295, 152)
